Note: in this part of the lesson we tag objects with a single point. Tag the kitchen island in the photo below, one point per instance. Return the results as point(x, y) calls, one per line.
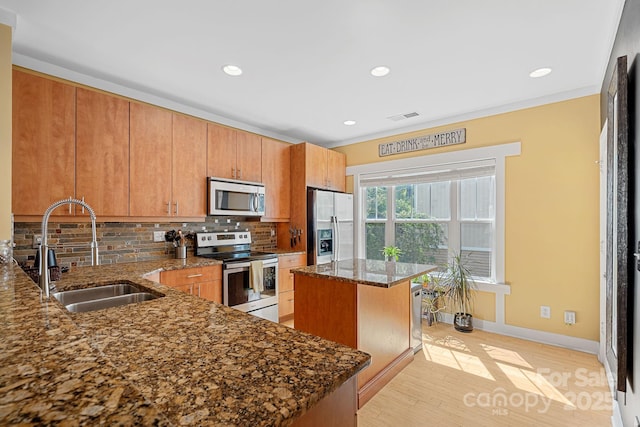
point(362, 303)
point(174, 360)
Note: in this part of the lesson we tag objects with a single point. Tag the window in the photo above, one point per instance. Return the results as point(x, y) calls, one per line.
point(458, 194)
point(432, 213)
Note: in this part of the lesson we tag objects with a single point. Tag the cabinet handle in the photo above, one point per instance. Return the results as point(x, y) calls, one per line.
point(70, 197)
point(83, 202)
point(233, 172)
point(199, 287)
point(176, 208)
point(191, 276)
point(168, 208)
point(239, 173)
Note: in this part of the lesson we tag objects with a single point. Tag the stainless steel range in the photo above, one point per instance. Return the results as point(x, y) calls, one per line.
point(239, 287)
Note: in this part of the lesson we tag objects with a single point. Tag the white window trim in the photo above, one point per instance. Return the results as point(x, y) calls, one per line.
point(496, 152)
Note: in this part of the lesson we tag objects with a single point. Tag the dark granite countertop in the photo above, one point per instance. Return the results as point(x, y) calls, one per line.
point(175, 360)
point(366, 271)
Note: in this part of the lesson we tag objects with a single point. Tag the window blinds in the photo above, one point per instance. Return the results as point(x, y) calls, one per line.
point(432, 173)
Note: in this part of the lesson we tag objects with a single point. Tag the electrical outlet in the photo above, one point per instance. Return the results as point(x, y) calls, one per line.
point(570, 317)
point(158, 236)
point(37, 241)
point(545, 312)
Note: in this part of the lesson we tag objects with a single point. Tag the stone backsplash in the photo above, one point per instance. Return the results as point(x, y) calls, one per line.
point(126, 242)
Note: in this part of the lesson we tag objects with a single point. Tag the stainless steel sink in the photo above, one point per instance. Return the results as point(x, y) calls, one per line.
point(100, 297)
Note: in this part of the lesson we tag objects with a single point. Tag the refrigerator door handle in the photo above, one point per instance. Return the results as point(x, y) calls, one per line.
point(336, 245)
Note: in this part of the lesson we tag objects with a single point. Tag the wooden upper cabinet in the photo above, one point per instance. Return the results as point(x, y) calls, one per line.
point(248, 157)
point(102, 152)
point(336, 171)
point(233, 154)
point(43, 151)
point(189, 183)
point(276, 176)
point(323, 168)
point(316, 165)
point(221, 151)
point(150, 165)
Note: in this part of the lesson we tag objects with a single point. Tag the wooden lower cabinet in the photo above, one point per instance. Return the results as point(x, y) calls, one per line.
point(204, 282)
point(286, 293)
point(373, 319)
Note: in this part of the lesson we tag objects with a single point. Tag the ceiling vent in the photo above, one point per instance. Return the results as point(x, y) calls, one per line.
point(403, 116)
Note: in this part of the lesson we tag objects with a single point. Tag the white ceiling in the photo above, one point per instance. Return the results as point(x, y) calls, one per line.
point(306, 63)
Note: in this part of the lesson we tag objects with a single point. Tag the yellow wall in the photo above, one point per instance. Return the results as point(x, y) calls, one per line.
point(552, 210)
point(5, 132)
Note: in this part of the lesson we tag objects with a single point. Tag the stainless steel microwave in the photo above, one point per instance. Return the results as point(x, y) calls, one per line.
point(237, 198)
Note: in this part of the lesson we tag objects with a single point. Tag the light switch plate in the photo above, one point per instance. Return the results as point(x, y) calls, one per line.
point(158, 236)
point(37, 241)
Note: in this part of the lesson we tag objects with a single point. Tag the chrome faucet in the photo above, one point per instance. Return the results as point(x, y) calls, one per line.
point(44, 248)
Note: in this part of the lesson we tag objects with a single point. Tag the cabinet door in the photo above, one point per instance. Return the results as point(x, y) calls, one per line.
point(285, 304)
point(336, 170)
point(102, 152)
point(316, 165)
point(276, 164)
point(221, 151)
point(43, 152)
point(150, 166)
point(211, 290)
point(249, 157)
point(189, 183)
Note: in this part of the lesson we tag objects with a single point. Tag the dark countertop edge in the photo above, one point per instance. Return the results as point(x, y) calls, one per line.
point(309, 271)
point(282, 252)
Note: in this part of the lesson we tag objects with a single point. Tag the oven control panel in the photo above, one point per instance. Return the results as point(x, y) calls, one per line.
point(226, 238)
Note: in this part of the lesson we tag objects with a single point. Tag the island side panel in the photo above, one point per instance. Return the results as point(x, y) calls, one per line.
point(384, 328)
point(337, 409)
point(326, 308)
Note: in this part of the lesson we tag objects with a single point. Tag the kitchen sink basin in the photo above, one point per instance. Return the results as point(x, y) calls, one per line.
point(100, 297)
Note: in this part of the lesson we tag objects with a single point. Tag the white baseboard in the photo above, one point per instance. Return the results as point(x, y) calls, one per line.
point(559, 340)
point(616, 415)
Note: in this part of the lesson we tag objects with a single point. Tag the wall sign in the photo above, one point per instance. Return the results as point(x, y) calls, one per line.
point(452, 137)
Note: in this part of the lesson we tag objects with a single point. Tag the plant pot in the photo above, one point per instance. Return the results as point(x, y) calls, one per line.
point(463, 322)
point(430, 318)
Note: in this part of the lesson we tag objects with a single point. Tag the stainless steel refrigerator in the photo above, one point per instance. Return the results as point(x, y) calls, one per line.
point(329, 226)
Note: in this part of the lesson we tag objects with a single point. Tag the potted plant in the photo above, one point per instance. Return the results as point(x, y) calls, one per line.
point(432, 293)
point(391, 253)
point(460, 288)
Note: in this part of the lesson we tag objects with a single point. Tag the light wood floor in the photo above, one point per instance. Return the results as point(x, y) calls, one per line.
point(484, 379)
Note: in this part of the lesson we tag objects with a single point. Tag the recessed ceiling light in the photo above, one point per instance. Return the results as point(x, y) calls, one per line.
point(540, 72)
point(232, 70)
point(349, 122)
point(380, 71)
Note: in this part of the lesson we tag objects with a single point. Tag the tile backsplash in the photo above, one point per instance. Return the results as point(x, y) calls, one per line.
point(126, 242)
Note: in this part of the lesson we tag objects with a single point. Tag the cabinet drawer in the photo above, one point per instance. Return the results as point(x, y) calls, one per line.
point(288, 261)
point(181, 277)
point(285, 303)
point(213, 272)
point(191, 275)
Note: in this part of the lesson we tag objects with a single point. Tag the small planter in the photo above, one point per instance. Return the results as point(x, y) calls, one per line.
point(463, 322)
point(431, 305)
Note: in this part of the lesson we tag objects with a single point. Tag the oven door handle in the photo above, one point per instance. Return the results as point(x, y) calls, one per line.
point(244, 265)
